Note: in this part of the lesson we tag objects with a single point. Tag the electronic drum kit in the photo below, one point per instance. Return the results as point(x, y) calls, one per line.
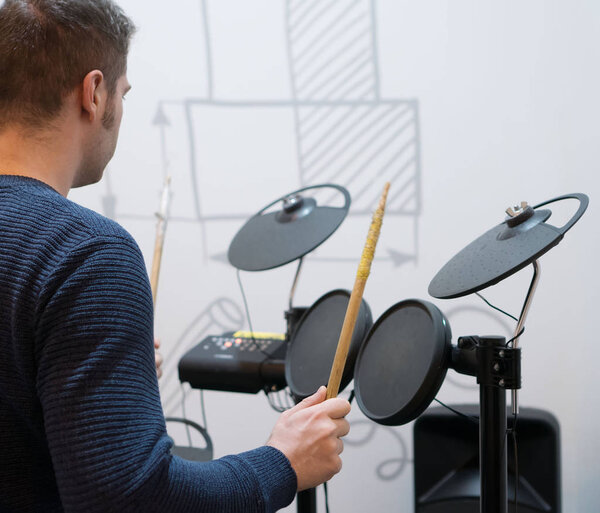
point(399, 363)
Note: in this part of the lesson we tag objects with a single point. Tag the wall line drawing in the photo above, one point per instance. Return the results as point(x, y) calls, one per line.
point(345, 130)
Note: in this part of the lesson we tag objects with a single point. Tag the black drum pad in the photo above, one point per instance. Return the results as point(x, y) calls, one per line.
point(314, 343)
point(402, 363)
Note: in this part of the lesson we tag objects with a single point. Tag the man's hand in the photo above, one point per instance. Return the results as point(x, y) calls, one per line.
point(309, 435)
point(158, 358)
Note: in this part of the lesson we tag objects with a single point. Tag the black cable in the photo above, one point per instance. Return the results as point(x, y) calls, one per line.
point(495, 307)
point(197, 427)
point(289, 398)
point(280, 400)
point(515, 337)
point(505, 313)
point(326, 497)
point(469, 417)
point(277, 400)
point(239, 279)
point(187, 427)
point(513, 432)
point(203, 410)
point(278, 408)
point(286, 399)
point(272, 404)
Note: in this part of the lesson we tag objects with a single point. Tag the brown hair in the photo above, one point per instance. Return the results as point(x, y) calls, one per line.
point(48, 46)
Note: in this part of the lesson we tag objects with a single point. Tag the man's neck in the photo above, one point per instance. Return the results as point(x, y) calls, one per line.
point(48, 157)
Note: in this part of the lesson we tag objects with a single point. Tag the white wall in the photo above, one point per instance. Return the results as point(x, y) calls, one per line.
point(508, 110)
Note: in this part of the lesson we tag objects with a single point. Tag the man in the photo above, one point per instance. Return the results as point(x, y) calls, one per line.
point(81, 425)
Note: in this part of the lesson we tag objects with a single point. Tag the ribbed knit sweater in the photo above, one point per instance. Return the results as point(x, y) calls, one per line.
point(81, 424)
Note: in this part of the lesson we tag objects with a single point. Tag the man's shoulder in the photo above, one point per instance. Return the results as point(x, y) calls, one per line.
point(88, 247)
point(39, 213)
point(95, 224)
point(81, 224)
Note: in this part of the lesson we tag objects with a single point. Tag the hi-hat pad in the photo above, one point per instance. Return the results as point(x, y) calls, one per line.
point(403, 362)
point(313, 345)
point(274, 238)
point(505, 249)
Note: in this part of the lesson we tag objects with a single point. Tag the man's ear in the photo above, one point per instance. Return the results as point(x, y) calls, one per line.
point(93, 94)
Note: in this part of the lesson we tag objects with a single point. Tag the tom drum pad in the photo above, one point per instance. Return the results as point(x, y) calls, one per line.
point(314, 342)
point(403, 362)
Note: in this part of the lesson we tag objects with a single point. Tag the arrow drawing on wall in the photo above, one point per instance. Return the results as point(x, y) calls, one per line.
point(162, 121)
point(396, 257)
point(393, 256)
point(399, 258)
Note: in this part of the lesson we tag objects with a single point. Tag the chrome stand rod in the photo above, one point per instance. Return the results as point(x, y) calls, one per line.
point(525, 310)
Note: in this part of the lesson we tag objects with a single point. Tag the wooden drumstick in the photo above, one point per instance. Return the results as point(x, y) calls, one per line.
point(161, 228)
point(364, 268)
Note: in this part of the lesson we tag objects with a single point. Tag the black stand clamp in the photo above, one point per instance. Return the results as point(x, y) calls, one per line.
point(498, 368)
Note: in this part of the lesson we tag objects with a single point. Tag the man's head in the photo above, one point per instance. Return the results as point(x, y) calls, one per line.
point(60, 58)
point(47, 47)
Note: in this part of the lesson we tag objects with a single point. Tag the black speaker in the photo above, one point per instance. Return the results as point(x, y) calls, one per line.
point(446, 453)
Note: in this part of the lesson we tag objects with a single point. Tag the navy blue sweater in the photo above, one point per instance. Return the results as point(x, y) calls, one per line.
point(81, 423)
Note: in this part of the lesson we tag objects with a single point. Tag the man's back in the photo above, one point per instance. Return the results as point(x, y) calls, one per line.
point(44, 242)
point(81, 424)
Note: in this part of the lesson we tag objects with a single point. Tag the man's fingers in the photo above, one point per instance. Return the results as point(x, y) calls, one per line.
point(156, 343)
point(311, 400)
point(336, 408)
point(342, 427)
point(309, 434)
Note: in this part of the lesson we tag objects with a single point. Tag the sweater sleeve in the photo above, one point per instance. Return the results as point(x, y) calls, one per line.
point(104, 424)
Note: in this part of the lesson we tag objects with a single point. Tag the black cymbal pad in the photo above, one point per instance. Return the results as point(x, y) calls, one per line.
point(503, 250)
point(272, 239)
